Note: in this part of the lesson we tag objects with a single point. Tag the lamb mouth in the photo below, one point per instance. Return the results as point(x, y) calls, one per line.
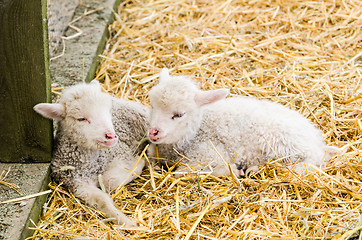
point(155, 139)
point(107, 143)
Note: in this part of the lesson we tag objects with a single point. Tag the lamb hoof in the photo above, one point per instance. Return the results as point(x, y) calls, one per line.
point(251, 171)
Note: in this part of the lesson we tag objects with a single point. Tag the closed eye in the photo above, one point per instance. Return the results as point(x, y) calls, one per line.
point(82, 119)
point(177, 115)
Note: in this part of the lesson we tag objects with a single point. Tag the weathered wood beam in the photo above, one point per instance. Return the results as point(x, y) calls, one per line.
point(24, 81)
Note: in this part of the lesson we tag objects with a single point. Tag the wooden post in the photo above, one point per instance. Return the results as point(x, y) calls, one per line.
point(24, 81)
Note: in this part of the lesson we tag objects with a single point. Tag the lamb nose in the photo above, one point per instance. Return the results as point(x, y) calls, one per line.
point(110, 135)
point(154, 132)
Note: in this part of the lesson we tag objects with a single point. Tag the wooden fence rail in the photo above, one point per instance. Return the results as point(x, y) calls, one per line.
point(24, 81)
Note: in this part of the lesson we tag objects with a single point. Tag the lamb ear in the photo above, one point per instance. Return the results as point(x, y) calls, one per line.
point(95, 83)
point(54, 111)
point(164, 75)
point(207, 97)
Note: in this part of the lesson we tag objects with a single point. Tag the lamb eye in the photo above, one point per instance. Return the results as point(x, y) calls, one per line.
point(177, 115)
point(81, 119)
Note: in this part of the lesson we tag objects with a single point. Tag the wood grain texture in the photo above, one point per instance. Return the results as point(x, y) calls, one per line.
point(24, 81)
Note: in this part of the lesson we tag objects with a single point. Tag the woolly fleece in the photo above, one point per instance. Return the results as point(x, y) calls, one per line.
point(84, 115)
point(246, 131)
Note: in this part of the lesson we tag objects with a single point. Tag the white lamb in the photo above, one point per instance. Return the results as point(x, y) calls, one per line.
point(245, 131)
point(87, 144)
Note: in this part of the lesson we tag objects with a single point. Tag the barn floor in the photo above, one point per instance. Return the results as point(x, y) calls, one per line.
point(68, 67)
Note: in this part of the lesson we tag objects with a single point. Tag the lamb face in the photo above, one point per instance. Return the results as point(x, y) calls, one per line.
point(174, 116)
point(176, 108)
point(88, 116)
point(84, 114)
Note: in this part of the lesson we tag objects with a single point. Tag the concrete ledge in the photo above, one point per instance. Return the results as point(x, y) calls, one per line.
point(81, 56)
point(16, 217)
point(38, 204)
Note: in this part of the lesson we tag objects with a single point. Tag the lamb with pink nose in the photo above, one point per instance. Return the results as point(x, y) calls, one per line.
point(228, 136)
point(97, 135)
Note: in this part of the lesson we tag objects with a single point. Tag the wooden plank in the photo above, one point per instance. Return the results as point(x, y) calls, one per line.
point(24, 81)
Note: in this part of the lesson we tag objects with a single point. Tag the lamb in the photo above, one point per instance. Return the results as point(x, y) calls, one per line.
point(87, 144)
point(245, 131)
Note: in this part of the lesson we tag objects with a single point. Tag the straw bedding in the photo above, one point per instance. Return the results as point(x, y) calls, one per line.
point(304, 54)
